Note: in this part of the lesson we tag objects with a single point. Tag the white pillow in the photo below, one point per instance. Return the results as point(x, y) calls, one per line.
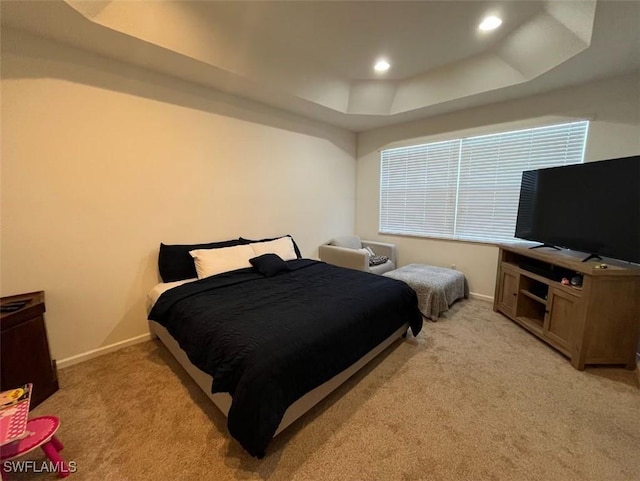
point(210, 262)
point(283, 247)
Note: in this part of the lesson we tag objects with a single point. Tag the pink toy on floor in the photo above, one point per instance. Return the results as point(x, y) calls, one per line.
point(40, 432)
point(14, 413)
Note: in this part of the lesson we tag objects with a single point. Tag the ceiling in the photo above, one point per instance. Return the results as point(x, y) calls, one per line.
point(316, 58)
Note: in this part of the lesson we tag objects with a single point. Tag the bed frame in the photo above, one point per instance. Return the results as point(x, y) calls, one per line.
point(298, 408)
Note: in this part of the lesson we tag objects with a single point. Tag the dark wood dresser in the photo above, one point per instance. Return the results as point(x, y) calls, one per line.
point(24, 348)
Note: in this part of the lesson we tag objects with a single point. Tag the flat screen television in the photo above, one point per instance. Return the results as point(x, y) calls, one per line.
point(592, 207)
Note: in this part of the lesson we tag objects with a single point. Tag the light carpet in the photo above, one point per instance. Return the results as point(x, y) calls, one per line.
point(474, 397)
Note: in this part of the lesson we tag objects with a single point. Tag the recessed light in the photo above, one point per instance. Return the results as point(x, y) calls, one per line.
point(490, 23)
point(381, 66)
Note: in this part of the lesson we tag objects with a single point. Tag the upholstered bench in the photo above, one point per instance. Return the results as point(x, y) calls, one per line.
point(437, 287)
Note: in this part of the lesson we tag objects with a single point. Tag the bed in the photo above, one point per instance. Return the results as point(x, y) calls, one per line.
point(266, 348)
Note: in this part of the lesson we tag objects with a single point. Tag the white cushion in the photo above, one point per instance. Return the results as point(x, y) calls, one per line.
point(210, 262)
point(283, 247)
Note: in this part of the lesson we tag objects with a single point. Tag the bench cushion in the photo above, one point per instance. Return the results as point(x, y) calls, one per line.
point(437, 287)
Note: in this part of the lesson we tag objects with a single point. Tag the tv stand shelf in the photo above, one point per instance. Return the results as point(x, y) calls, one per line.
point(597, 323)
point(533, 296)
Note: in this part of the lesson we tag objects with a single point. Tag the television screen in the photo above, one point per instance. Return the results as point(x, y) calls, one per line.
point(592, 207)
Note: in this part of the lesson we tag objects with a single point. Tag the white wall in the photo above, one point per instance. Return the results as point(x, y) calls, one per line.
point(613, 105)
point(102, 161)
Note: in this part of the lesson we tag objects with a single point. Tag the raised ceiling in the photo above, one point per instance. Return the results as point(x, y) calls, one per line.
point(316, 58)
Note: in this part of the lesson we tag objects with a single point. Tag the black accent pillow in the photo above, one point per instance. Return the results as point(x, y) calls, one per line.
point(295, 246)
point(269, 264)
point(175, 263)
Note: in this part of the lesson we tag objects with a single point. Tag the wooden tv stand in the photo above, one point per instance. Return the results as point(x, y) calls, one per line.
point(595, 324)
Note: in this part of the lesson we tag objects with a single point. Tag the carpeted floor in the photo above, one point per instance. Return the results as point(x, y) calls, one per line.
point(474, 397)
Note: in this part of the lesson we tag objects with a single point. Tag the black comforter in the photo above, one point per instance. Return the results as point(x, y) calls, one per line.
point(270, 340)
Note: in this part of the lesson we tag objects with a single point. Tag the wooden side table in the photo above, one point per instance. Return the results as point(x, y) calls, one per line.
point(24, 348)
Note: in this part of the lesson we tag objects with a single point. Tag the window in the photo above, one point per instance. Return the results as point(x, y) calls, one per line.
point(469, 188)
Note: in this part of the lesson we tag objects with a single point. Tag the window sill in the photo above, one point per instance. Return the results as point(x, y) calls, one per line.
point(448, 239)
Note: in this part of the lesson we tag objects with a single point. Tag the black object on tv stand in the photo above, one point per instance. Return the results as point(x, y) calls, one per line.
point(588, 258)
point(545, 245)
point(592, 256)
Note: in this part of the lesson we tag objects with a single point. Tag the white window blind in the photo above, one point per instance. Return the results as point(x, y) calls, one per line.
point(419, 187)
point(469, 188)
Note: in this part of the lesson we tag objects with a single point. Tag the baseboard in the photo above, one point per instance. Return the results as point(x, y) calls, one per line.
point(85, 356)
point(481, 297)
